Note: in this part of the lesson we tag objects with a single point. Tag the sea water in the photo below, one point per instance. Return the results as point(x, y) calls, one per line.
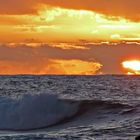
point(103, 107)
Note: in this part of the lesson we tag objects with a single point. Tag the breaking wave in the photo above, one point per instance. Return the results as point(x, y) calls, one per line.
point(41, 111)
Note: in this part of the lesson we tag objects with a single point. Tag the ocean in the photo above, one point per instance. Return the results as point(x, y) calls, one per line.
point(99, 107)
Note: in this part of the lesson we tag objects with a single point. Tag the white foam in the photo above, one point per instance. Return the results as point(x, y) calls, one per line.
point(34, 111)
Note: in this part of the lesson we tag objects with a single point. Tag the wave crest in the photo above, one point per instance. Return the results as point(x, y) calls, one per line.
point(33, 111)
point(44, 110)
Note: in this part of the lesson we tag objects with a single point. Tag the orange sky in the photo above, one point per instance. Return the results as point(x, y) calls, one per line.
point(66, 37)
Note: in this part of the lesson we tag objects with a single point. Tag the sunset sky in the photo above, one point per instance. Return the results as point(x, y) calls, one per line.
point(68, 37)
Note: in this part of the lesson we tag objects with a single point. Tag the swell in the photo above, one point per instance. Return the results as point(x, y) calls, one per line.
point(68, 110)
point(86, 106)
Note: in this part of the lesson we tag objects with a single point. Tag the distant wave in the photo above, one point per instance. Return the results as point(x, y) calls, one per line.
point(41, 111)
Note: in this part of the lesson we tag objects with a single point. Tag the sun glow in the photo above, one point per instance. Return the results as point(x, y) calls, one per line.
point(133, 67)
point(57, 24)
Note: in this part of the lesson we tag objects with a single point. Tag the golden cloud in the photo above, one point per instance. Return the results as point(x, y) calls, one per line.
point(68, 59)
point(128, 9)
point(67, 67)
point(44, 59)
point(73, 67)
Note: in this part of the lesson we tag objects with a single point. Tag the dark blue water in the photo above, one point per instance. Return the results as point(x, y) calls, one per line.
point(69, 107)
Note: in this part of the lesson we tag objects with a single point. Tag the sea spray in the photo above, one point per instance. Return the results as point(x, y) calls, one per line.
point(33, 111)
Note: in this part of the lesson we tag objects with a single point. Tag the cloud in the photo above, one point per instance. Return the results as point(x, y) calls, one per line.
point(68, 67)
point(12, 67)
point(73, 67)
point(60, 25)
point(15, 7)
point(43, 59)
point(112, 55)
point(126, 8)
point(52, 59)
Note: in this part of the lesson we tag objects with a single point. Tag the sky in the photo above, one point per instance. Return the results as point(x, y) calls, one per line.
point(68, 37)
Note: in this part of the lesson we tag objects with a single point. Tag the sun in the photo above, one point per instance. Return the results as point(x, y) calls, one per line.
point(132, 66)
